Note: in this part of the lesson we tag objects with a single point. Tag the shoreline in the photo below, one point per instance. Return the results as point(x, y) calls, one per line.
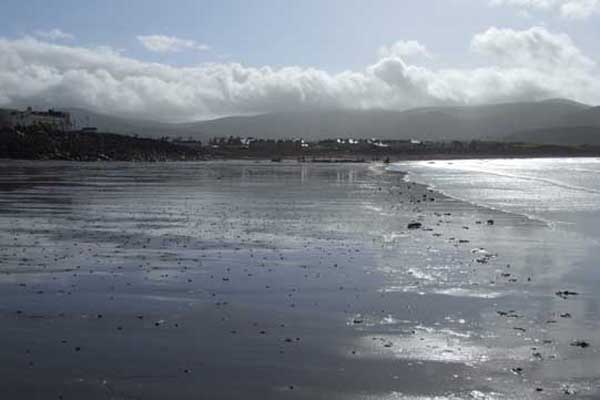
point(332, 160)
point(301, 270)
point(473, 203)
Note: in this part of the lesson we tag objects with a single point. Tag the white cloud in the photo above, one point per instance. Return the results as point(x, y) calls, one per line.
point(524, 65)
point(580, 9)
point(404, 49)
point(54, 34)
point(532, 48)
point(169, 44)
point(576, 9)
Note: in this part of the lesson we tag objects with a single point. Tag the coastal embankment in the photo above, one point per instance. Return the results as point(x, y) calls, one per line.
point(39, 143)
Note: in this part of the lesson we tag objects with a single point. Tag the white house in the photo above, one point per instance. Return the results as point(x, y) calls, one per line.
point(58, 120)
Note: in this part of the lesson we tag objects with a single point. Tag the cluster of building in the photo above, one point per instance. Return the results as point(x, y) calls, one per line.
point(251, 142)
point(246, 142)
point(374, 142)
point(15, 119)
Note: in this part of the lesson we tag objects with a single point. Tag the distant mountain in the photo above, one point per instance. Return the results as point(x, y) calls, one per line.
point(494, 121)
point(107, 123)
point(572, 136)
point(338, 123)
point(433, 123)
point(586, 117)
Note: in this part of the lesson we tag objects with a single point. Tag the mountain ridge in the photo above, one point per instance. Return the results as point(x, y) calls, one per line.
point(477, 122)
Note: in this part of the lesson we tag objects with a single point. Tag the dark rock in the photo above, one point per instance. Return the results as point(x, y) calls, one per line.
point(415, 225)
point(580, 343)
point(565, 294)
point(508, 314)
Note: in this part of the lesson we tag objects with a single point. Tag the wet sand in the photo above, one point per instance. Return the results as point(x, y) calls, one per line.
point(233, 280)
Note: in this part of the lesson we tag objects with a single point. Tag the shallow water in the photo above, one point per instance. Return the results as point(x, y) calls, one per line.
point(259, 280)
point(561, 191)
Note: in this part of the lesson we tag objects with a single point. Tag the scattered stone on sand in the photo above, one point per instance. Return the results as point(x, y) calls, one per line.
point(568, 390)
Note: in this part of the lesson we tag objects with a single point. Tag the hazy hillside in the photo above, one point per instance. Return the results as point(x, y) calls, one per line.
point(560, 136)
point(493, 121)
point(108, 123)
point(489, 121)
point(341, 123)
point(586, 117)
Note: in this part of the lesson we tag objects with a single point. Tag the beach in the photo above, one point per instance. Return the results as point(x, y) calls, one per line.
point(260, 280)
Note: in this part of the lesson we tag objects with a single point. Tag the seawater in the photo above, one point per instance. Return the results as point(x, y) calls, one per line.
point(565, 192)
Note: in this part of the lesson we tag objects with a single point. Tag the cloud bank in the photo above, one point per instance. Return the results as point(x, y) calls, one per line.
point(576, 9)
point(169, 44)
point(522, 65)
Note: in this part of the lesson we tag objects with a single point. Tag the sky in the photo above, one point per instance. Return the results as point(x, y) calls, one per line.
point(184, 60)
